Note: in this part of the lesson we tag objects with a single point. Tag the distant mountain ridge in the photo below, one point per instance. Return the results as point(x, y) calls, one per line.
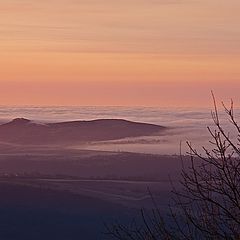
point(25, 131)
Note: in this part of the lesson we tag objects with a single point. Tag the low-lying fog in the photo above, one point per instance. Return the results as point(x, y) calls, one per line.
point(185, 124)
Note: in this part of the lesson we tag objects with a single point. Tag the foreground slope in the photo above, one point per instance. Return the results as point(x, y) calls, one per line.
point(28, 213)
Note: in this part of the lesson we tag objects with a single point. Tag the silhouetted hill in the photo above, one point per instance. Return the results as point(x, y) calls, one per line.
point(24, 131)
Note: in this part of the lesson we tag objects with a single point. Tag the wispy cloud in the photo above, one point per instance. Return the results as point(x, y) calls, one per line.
point(158, 26)
point(130, 40)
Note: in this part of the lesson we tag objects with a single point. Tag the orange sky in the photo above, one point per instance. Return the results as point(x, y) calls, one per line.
point(128, 52)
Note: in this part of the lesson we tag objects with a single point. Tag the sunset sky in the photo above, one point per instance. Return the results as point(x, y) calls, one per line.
point(126, 52)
